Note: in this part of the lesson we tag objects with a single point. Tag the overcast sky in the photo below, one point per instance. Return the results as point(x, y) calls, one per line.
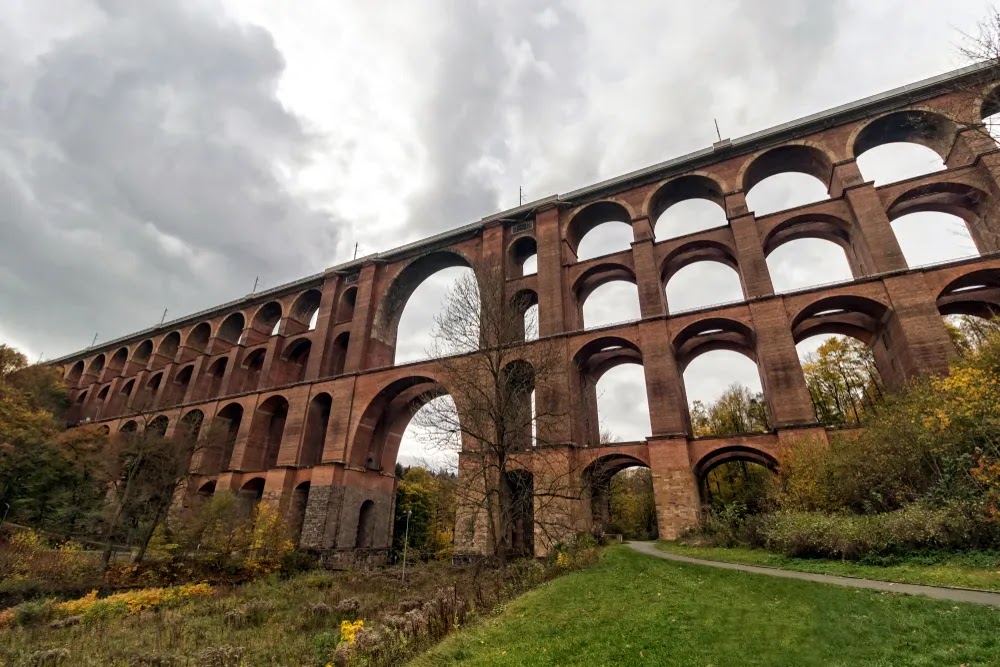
point(165, 153)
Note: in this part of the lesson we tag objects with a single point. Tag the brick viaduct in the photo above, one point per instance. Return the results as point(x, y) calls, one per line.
point(315, 414)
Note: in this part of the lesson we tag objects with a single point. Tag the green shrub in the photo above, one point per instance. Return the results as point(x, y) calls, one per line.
point(856, 536)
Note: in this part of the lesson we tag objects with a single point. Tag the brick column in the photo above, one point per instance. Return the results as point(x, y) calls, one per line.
point(551, 294)
point(270, 372)
point(675, 489)
point(914, 339)
point(319, 358)
point(976, 146)
point(749, 250)
point(365, 307)
point(198, 367)
point(778, 362)
point(876, 245)
point(668, 413)
point(652, 302)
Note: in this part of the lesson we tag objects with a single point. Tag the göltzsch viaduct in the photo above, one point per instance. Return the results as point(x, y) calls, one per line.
point(315, 412)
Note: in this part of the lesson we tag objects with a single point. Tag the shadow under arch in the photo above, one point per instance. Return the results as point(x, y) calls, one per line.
point(592, 216)
point(845, 314)
point(710, 334)
point(915, 126)
point(727, 454)
point(799, 158)
point(381, 427)
point(976, 293)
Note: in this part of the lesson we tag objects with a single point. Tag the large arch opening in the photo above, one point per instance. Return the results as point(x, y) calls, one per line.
point(253, 369)
point(807, 262)
point(610, 302)
point(389, 416)
point(75, 373)
point(345, 306)
point(845, 358)
point(296, 358)
point(143, 352)
point(158, 425)
point(787, 177)
point(266, 430)
point(96, 365)
point(970, 305)
point(266, 320)
point(722, 382)
point(225, 430)
point(526, 302)
point(249, 496)
point(735, 481)
point(189, 427)
point(231, 329)
point(118, 361)
point(523, 254)
point(317, 422)
point(305, 309)
point(903, 144)
point(169, 346)
point(518, 495)
point(687, 205)
point(338, 352)
point(602, 228)
point(365, 536)
point(621, 502)
point(198, 339)
point(701, 284)
point(216, 372)
point(416, 296)
point(613, 402)
point(930, 237)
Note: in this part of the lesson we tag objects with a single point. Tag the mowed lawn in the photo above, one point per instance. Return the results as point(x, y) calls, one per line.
point(633, 609)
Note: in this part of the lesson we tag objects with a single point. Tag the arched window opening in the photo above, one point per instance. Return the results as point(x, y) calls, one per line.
point(254, 365)
point(786, 177)
point(737, 483)
point(143, 352)
point(127, 388)
point(249, 496)
point(338, 355)
point(225, 430)
point(842, 376)
point(345, 307)
point(96, 365)
point(725, 395)
point(296, 361)
point(526, 302)
point(158, 425)
point(267, 318)
point(621, 498)
point(893, 162)
point(523, 257)
point(516, 406)
point(118, 360)
point(169, 346)
point(152, 387)
point(518, 495)
point(689, 217)
point(611, 303)
point(297, 511)
point(807, 262)
point(703, 284)
point(75, 372)
point(131, 426)
point(365, 537)
point(687, 205)
point(198, 339)
point(784, 191)
point(203, 495)
point(317, 422)
point(929, 237)
point(622, 406)
point(232, 327)
point(189, 427)
point(181, 383)
point(305, 310)
point(266, 432)
point(216, 373)
point(432, 438)
point(600, 229)
point(606, 239)
point(427, 301)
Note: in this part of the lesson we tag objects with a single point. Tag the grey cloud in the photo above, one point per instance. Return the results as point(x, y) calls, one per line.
point(140, 170)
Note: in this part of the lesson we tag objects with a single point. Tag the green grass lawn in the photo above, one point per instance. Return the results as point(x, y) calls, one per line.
point(961, 571)
point(632, 609)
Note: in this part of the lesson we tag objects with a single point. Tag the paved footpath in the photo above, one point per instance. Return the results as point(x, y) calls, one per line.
point(953, 594)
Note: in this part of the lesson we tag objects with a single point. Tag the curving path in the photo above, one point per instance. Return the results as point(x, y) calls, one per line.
point(941, 593)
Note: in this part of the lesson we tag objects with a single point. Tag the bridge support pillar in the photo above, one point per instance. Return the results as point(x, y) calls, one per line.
point(675, 488)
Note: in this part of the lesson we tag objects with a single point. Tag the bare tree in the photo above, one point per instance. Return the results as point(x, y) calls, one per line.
point(149, 469)
point(516, 480)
